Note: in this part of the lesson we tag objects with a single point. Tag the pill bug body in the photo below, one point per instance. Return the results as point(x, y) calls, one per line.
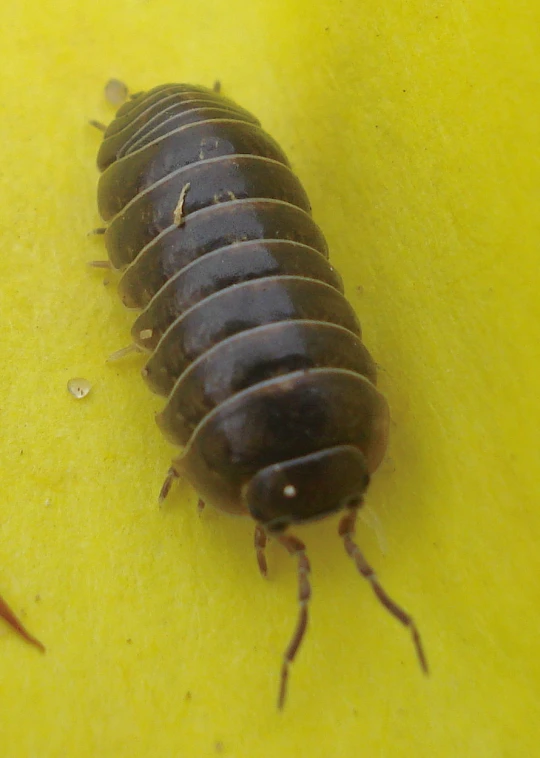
point(269, 388)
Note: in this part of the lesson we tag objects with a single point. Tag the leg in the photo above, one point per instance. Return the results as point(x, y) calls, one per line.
point(172, 474)
point(98, 125)
point(118, 354)
point(99, 264)
point(296, 548)
point(346, 531)
point(7, 614)
point(259, 541)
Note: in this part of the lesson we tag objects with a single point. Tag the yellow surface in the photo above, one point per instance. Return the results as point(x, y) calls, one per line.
point(415, 129)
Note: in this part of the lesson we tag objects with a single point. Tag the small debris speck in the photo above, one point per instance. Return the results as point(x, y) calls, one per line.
point(116, 92)
point(289, 490)
point(79, 387)
point(178, 215)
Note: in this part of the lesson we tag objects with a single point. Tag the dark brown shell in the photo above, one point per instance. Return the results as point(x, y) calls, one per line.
point(250, 336)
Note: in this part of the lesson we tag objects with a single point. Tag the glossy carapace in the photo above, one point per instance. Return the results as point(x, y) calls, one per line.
point(269, 389)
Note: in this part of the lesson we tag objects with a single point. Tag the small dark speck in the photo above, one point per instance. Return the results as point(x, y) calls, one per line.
point(359, 289)
point(219, 747)
point(22, 451)
point(355, 712)
point(37, 598)
point(404, 90)
point(376, 126)
point(129, 641)
point(187, 696)
point(326, 28)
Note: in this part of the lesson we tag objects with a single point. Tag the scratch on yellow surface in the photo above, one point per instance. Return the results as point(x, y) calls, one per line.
point(415, 129)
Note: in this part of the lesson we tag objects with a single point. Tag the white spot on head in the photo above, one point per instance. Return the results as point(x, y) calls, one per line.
point(289, 490)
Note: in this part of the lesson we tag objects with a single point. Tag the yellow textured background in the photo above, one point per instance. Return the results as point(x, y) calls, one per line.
point(415, 128)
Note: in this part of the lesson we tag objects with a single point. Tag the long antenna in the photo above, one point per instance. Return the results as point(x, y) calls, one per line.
point(346, 531)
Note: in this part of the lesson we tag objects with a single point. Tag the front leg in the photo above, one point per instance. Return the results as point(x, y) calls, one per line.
point(259, 541)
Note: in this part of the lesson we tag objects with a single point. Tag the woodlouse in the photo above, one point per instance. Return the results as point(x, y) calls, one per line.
point(269, 387)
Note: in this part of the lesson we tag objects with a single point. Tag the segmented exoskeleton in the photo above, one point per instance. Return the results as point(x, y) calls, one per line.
point(270, 390)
